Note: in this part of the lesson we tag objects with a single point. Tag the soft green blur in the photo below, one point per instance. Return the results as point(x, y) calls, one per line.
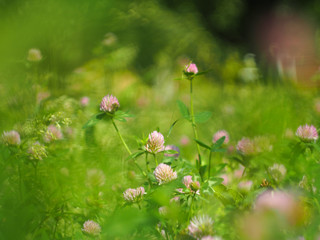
point(134, 50)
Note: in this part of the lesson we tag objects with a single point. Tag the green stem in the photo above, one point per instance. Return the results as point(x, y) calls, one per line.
point(194, 126)
point(126, 146)
point(209, 165)
point(147, 163)
point(155, 159)
point(120, 136)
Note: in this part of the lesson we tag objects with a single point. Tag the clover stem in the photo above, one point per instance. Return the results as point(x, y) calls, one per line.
point(194, 126)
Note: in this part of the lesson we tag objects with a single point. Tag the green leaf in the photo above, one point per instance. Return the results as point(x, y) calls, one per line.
point(220, 167)
point(202, 117)
point(215, 181)
point(94, 119)
point(219, 142)
point(171, 127)
point(203, 170)
point(316, 146)
point(170, 151)
point(202, 144)
point(135, 155)
point(120, 116)
point(183, 110)
point(203, 72)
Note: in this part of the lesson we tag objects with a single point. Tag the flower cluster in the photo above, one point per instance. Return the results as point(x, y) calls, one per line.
point(155, 142)
point(53, 133)
point(193, 186)
point(134, 195)
point(191, 68)
point(164, 173)
point(34, 55)
point(109, 104)
point(246, 147)
point(11, 138)
point(307, 133)
point(220, 134)
point(172, 147)
point(92, 228)
point(201, 226)
point(37, 151)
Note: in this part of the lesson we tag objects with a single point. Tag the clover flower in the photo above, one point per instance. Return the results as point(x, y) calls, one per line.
point(201, 226)
point(246, 147)
point(172, 147)
point(163, 210)
point(37, 151)
point(34, 55)
point(191, 68)
point(278, 171)
point(307, 133)
point(282, 202)
point(164, 173)
point(193, 186)
point(109, 103)
point(245, 185)
point(134, 195)
point(92, 228)
point(211, 238)
point(53, 133)
point(155, 142)
point(11, 138)
point(84, 101)
point(220, 134)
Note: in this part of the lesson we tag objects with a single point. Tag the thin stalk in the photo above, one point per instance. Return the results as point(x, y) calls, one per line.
point(194, 125)
point(126, 146)
point(155, 159)
point(120, 136)
point(147, 163)
point(209, 165)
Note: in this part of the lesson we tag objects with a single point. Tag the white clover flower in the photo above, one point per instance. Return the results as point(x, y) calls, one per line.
point(92, 228)
point(109, 103)
point(164, 173)
point(134, 195)
point(11, 138)
point(201, 226)
point(155, 142)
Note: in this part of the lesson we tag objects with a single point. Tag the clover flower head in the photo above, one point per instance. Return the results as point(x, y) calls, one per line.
point(281, 202)
point(109, 103)
point(211, 238)
point(37, 151)
point(163, 210)
point(246, 147)
point(34, 55)
point(53, 133)
point(307, 133)
point(155, 142)
point(134, 195)
point(201, 226)
point(164, 173)
point(84, 101)
point(92, 228)
point(172, 147)
point(11, 138)
point(187, 180)
point(245, 185)
point(191, 68)
point(220, 134)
